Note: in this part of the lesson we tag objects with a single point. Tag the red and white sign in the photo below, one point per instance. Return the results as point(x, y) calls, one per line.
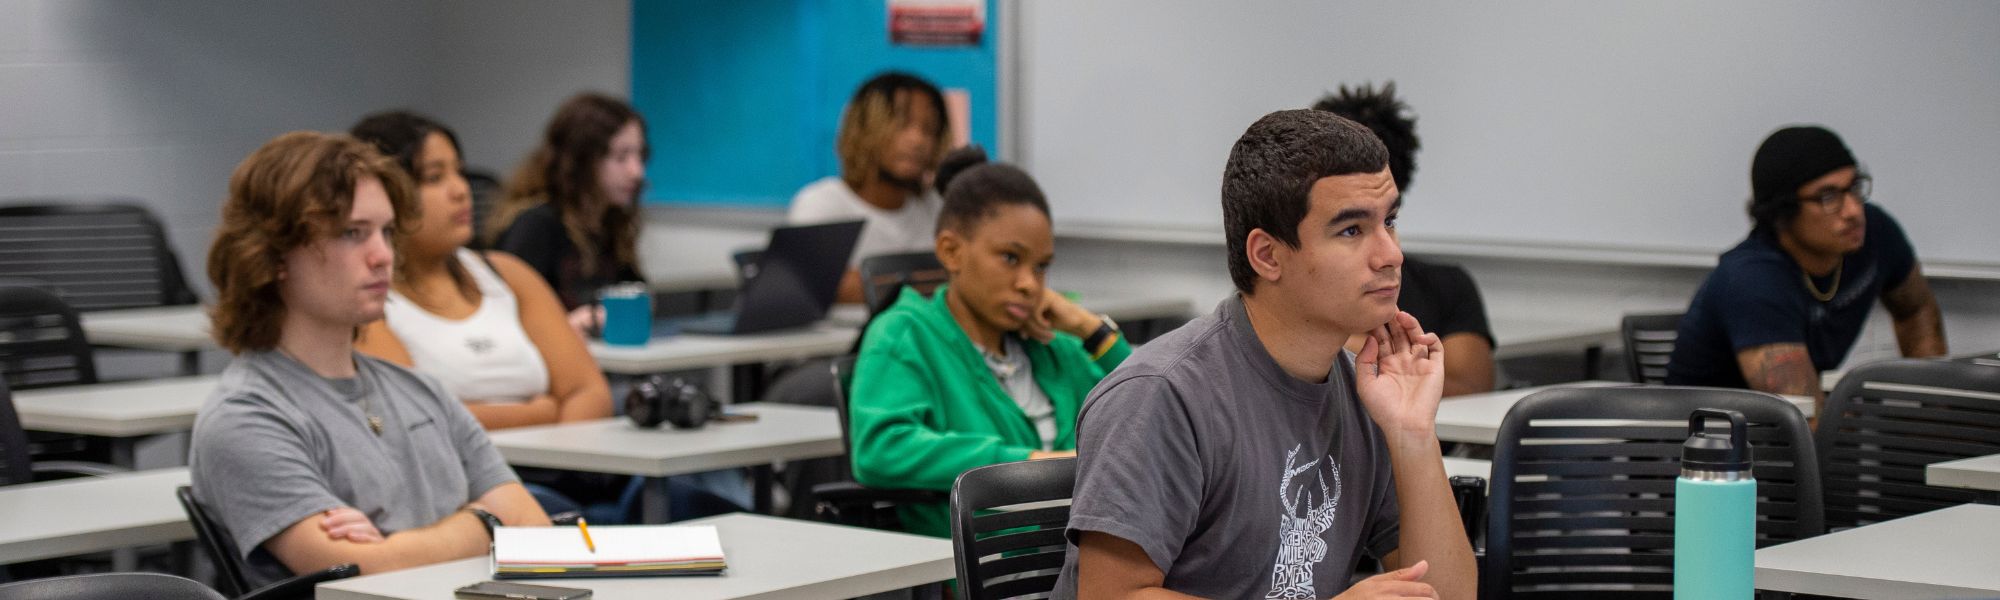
point(937, 22)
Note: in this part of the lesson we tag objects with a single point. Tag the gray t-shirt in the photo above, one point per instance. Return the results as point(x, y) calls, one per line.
point(1238, 480)
point(277, 443)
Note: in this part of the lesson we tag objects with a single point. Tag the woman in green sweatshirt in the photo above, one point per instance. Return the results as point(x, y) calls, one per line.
point(993, 366)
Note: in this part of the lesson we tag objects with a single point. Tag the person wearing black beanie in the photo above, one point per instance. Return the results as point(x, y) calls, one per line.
point(1790, 300)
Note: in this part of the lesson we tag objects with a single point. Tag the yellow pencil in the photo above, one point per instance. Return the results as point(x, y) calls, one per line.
point(584, 527)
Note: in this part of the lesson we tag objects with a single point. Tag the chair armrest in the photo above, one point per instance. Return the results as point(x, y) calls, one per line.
point(74, 468)
point(850, 493)
point(301, 586)
point(1469, 493)
point(850, 503)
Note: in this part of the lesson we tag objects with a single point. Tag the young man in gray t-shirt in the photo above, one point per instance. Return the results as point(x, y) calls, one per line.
point(309, 454)
point(1245, 455)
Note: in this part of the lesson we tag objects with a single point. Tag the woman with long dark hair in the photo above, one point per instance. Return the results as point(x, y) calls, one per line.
point(571, 209)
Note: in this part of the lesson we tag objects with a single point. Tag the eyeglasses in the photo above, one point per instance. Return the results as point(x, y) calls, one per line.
point(1831, 201)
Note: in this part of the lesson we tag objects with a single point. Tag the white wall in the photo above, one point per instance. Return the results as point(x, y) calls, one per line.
point(160, 100)
point(502, 66)
point(1592, 125)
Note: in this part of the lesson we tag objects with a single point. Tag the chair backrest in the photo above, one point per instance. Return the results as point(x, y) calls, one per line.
point(216, 541)
point(1649, 342)
point(843, 377)
point(883, 276)
point(486, 191)
point(15, 466)
point(1884, 422)
point(105, 255)
point(1581, 500)
point(1005, 552)
point(41, 341)
point(109, 586)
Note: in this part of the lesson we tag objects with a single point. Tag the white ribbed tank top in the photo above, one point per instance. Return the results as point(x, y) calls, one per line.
point(486, 357)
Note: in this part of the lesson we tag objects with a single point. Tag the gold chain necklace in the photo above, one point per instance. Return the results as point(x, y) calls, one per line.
point(1828, 294)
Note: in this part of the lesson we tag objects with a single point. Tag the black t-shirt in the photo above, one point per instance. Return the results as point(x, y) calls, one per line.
point(538, 238)
point(1757, 296)
point(1443, 299)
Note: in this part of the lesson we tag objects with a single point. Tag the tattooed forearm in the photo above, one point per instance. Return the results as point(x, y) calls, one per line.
point(1919, 322)
point(1780, 369)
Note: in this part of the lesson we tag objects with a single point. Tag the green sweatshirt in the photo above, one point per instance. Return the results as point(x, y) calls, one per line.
point(924, 407)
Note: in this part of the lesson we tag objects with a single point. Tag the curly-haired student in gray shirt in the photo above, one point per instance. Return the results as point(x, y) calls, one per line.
point(1243, 455)
point(309, 454)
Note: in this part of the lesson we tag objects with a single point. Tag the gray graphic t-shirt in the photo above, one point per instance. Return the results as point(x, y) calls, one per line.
point(276, 443)
point(1238, 480)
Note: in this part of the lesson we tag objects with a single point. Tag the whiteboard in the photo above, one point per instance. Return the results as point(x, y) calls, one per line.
point(1617, 125)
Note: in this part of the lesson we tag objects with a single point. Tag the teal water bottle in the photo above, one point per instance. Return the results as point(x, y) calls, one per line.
point(1715, 512)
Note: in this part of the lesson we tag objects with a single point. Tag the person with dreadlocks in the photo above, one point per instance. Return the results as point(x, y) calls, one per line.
point(1441, 296)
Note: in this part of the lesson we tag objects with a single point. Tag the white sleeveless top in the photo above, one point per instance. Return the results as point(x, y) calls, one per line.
point(486, 357)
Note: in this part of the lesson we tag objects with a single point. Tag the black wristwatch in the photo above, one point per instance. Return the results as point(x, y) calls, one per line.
point(1103, 334)
point(485, 518)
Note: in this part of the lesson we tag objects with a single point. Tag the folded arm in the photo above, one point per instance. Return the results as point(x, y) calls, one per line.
point(311, 545)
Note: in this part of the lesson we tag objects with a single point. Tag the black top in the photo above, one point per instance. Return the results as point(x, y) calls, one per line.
point(1757, 296)
point(1443, 299)
point(538, 238)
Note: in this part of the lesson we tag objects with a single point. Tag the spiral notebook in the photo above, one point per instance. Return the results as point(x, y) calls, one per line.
point(622, 551)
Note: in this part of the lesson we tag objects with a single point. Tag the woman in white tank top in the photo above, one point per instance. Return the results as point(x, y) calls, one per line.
point(487, 326)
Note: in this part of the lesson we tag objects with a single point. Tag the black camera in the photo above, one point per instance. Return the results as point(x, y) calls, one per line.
point(657, 399)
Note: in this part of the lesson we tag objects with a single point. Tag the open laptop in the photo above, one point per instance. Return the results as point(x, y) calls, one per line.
point(791, 285)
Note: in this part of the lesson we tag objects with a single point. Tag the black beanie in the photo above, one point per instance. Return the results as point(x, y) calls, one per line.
point(1790, 158)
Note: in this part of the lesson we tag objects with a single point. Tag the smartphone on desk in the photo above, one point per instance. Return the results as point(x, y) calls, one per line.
point(520, 591)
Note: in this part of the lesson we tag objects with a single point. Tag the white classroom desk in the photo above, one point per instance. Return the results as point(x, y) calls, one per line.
point(1476, 418)
point(1982, 473)
point(164, 328)
point(1124, 308)
point(1528, 336)
point(698, 351)
point(1945, 553)
point(615, 445)
point(769, 559)
point(678, 281)
point(91, 514)
point(179, 328)
point(185, 328)
point(122, 411)
point(831, 337)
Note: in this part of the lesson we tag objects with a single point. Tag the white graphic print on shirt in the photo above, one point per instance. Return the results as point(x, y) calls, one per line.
point(1301, 544)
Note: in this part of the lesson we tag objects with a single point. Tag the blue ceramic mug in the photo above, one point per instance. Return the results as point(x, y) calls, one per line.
point(628, 313)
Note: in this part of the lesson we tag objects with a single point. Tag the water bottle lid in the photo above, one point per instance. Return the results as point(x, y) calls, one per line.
point(1709, 451)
